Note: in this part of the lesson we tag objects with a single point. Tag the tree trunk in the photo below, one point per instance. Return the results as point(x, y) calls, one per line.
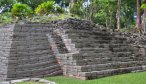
point(118, 15)
point(144, 21)
point(91, 10)
point(138, 16)
point(85, 12)
point(71, 4)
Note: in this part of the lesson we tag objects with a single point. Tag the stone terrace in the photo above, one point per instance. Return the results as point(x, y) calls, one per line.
point(72, 47)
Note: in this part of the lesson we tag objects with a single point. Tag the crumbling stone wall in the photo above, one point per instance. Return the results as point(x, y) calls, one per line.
point(71, 47)
point(101, 53)
point(6, 33)
point(27, 52)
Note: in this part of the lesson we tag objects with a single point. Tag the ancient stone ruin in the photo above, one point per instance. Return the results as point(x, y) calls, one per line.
point(75, 48)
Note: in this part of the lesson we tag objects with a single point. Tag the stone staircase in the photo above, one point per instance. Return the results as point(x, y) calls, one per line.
point(71, 47)
point(100, 54)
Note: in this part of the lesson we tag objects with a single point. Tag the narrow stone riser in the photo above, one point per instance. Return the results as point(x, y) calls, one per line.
point(22, 65)
point(86, 58)
point(34, 72)
point(112, 45)
point(110, 72)
point(100, 67)
point(87, 32)
point(98, 59)
point(92, 61)
point(89, 40)
point(90, 45)
point(106, 54)
point(95, 52)
point(91, 37)
point(73, 31)
point(107, 50)
point(124, 49)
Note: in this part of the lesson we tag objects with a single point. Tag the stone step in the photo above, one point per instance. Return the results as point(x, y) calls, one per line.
point(114, 65)
point(107, 59)
point(33, 59)
point(120, 37)
point(112, 45)
point(98, 33)
point(82, 36)
point(77, 31)
point(84, 59)
point(87, 45)
point(98, 41)
point(108, 72)
point(93, 50)
point(90, 45)
point(119, 42)
point(104, 45)
point(36, 70)
point(120, 49)
point(102, 37)
point(107, 54)
point(101, 67)
point(89, 40)
point(122, 54)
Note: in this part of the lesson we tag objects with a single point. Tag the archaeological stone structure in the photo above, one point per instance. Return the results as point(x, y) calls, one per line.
point(72, 47)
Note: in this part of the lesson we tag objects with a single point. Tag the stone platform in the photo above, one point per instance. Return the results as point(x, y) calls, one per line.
point(75, 48)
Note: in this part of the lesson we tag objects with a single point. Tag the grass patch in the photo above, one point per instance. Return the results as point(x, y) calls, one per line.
point(6, 18)
point(50, 17)
point(131, 78)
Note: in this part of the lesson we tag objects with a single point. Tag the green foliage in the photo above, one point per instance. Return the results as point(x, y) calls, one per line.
point(143, 6)
point(102, 12)
point(59, 9)
point(50, 17)
point(21, 10)
point(105, 12)
point(48, 8)
point(6, 5)
point(5, 18)
point(99, 17)
point(77, 9)
point(32, 3)
point(45, 8)
point(129, 29)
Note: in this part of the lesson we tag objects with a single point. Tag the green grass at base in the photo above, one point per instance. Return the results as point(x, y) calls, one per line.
point(131, 78)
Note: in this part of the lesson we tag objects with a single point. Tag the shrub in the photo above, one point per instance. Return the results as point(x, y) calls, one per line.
point(21, 10)
point(59, 9)
point(50, 17)
point(76, 9)
point(5, 18)
point(48, 8)
point(129, 29)
point(45, 8)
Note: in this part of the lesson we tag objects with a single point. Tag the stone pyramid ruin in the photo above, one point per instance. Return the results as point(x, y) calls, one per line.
point(72, 47)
